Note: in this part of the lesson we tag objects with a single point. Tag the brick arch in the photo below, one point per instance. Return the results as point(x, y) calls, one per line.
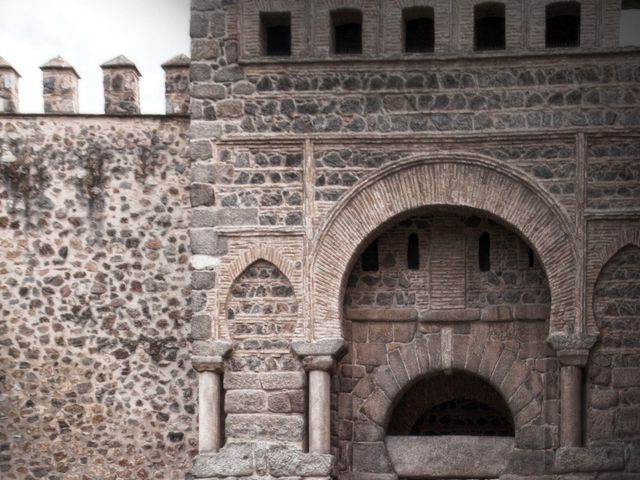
point(261, 252)
point(628, 237)
point(456, 180)
point(496, 365)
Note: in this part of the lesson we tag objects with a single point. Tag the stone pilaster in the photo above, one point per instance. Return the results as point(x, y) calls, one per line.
point(319, 360)
point(59, 86)
point(8, 87)
point(177, 85)
point(121, 86)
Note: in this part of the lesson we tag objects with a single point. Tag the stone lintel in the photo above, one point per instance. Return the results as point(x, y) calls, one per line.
point(239, 459)
point(333, 347)
point(603, 458)
point(563, 341)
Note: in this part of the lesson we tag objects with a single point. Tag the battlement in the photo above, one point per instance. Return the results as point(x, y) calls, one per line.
point(333, 29)
point(121, 86)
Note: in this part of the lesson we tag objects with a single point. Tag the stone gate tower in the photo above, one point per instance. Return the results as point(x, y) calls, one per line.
point(415, 238)
point(370, 240)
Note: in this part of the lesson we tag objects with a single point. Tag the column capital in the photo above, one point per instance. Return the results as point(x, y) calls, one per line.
point(573, 358)
point(325, 363)
point(560, 341)
point(208, 363)
point(331, 347)
point(209, 356)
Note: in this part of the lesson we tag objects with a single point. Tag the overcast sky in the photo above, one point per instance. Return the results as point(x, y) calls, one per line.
point(87, 33)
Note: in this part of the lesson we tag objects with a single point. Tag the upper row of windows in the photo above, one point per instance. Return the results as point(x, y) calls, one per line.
point(562, 29)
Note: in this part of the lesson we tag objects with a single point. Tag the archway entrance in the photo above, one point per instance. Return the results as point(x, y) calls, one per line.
point(450, 425)
point(446, 313)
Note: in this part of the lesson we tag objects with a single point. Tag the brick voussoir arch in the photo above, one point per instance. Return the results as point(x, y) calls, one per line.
point(516, 383)
point(441, 180)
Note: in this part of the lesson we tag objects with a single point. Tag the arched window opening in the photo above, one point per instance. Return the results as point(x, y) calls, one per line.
point(346, 26)
point(419, 34)
point(484, 252)
point(563, 25)
point(370, 257)
point(531, 258)
point(276, 33)
point(452, 404)
point(489, 26)
point(629, 21)
point(413, 252)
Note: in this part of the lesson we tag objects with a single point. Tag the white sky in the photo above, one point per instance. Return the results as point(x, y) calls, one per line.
point(87, 33)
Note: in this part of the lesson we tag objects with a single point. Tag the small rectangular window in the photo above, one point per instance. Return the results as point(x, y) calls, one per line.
point(346, 27)
point(419, 35)
point(489, 23)
point(562, 28)
point(276, 33)
point(370, 257)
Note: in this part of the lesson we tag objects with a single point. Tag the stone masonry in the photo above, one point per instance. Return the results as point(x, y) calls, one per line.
point(361, 266)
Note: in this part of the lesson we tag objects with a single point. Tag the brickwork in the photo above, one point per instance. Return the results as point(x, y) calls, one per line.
point(614, 379)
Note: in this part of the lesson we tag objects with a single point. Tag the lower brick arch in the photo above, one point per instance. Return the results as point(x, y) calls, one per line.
point(446, 180)
point(495, 364)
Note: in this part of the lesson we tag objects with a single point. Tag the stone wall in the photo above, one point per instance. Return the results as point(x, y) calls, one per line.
point(94, 259)
point(510, 283)
point(614, 375)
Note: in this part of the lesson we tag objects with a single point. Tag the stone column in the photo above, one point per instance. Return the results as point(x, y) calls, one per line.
point(210, 368)
point(572, 351)
point(570, 405)
point(176, 85)
point(59, 86)
point(121, 87)
point(8, 87)
point(319, 359)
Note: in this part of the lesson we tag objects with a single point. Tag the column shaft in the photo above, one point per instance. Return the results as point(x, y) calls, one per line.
point(319, 411)
point(209, 411)
point(570, 406)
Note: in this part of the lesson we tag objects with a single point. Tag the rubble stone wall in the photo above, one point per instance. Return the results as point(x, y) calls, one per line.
point(94, 320)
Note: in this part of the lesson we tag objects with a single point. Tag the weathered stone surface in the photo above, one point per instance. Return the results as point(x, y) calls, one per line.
point(283, 380)
point(285, 462)
point(229, 108)
point(449, 456)
point(589, 459)
point(233, 459)
point(212, 91)
point(371, 457)
point(205, 241)
point(265, 427)
point(245, 401)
